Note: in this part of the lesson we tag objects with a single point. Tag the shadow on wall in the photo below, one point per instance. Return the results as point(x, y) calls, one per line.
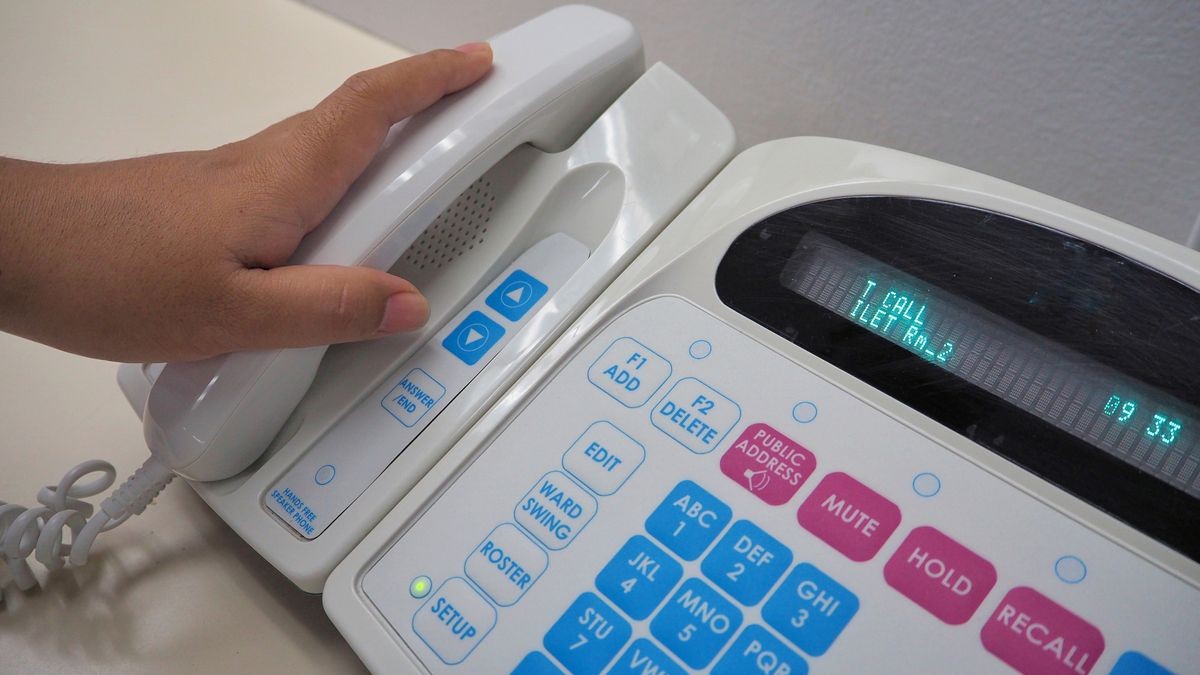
point(1094, 103)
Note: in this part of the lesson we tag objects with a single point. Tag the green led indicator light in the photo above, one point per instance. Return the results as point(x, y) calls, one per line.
point(420, 587)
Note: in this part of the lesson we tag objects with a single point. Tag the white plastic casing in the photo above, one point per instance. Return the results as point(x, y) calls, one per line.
point(682, 262)
point(210, 419)
point(613, 190)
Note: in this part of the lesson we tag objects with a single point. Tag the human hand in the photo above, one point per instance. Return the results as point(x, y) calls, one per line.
point(182, 256)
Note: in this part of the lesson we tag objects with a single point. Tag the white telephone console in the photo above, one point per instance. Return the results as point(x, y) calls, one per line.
point(853, 411)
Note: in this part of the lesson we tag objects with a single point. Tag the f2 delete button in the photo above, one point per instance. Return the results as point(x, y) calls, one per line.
point(697, 416)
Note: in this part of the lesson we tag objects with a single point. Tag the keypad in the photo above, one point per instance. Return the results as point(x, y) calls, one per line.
point(639, 577)
point(791, 567)
point(688, 520)
point(643, 657)
point(587, 636)
point(810, 609)
point(747, 562)
point(693, 620)
point(696, 623)
point(757, 651)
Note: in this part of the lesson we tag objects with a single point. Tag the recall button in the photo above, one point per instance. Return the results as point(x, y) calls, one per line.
point(940, 574)
point(1034, 634)
point(849, 516)
point(454, 620)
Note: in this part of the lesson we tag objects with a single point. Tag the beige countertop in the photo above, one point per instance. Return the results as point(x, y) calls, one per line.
point(174, 589)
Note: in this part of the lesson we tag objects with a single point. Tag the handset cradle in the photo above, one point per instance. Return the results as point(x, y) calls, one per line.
point(210, 419)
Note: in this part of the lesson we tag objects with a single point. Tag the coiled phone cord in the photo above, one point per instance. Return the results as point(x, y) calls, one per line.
point(42, 530)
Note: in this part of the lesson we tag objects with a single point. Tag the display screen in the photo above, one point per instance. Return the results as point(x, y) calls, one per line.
point(1136, 423)
point(1070, 360)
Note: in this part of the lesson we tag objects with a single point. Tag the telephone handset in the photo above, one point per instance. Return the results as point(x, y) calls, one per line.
point(210, 419)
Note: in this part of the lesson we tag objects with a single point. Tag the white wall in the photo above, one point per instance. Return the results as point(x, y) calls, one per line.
point(1094, 102)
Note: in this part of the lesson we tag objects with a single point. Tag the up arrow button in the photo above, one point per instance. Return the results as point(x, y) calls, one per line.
point(516, 295)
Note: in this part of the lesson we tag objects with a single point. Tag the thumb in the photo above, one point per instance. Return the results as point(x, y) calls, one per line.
point(308, 305)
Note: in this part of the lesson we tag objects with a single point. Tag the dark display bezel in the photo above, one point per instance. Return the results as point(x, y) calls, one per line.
point(1091, 300)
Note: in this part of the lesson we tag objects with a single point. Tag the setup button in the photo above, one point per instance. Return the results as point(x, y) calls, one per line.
point(454, 620)
point(516, 295)
point(473, 338)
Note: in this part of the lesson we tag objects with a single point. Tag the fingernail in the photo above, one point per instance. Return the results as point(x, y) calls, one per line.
point(473, 47)
point(404, 311)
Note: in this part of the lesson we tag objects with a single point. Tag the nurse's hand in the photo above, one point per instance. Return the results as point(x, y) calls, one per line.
point(179, 256)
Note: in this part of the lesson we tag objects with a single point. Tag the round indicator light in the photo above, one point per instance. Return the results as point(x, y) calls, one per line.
point(420, 587)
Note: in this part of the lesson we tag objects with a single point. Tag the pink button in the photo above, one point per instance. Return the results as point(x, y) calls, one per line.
point(940, 574)
point(1034, 634)
point(849, 516)
point(768, 464)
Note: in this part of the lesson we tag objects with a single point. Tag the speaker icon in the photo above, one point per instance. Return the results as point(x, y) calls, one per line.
point(756, 480)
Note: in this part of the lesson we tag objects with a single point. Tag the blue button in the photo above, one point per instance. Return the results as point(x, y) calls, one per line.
point(700, 349)
point(536, 663)
point(747, 562)
point(696, 623)
point(1070, 569)
point(325, 474)
point(757, 651)
point(644, 658)
point(516, 295)
point(810, 609)
point(1137, 663)
point(926, 484)
point(638, 578)
point(587, 636)
point(804, 412)
point(473, 338)
point(688, 520)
